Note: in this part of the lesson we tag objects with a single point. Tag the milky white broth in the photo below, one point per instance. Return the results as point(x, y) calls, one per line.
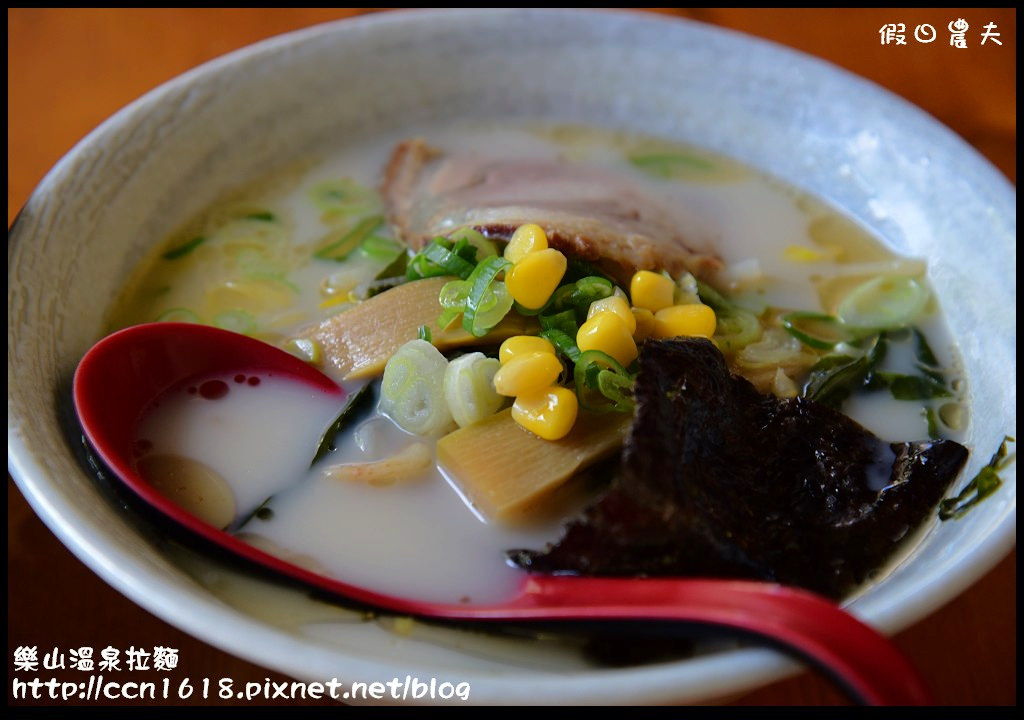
point(418, 537)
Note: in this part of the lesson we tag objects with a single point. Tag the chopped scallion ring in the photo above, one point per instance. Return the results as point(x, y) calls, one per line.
point(602, 383)
point(821, 332)
point(488, 301)
point(884, 303)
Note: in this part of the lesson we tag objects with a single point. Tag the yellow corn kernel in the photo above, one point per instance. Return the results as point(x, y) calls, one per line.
point(608, 333)
point(532, 280)
point(651, 290)
point(644, 320)
point(614, 304)
point(692, 320)
point(527, 373)
point(523, 345)
point(549, 412)
point(526, 239)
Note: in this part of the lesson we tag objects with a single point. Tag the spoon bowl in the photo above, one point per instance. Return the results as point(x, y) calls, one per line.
point(120, 377)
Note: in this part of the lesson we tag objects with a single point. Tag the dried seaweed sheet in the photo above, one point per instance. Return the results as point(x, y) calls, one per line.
point(718, 480)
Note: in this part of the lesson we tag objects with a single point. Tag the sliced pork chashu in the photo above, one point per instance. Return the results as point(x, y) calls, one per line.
point(587, 212)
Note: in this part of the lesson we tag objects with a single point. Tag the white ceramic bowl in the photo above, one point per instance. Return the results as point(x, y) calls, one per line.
point(163, 158)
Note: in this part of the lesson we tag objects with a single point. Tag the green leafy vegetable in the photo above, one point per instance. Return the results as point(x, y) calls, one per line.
point(932, 422)
point(835, 377)
point(360, 400)
point(927, 363)
point(910, 387)
point(986, 482)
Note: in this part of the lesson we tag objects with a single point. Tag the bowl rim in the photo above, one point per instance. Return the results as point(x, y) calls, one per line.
point(205, 617)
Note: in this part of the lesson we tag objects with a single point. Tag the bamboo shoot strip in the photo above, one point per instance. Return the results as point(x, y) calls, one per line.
point(358, 342)
point(503, 469)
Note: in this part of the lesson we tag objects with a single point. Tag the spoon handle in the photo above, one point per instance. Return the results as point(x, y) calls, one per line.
point(858, 658)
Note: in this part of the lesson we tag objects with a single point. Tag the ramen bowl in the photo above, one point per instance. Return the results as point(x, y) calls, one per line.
point(167, 156)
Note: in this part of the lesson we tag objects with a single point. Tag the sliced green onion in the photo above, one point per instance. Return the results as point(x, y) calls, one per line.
point(564, 321)
point(184, 249)
point(454, 294)
point(469, 388)
point(491, 303)
point(671, 166)
point(821, 332)
point(473, 237)
point(564, 344)
point(453, 298)
point(438, 258)
point(182, 315)
point(238, 321)
point(736, 327)
point(602, 384)
point(556, 303)
point(343, 197)
point(494, 306)
point(883, 303)
point(412, 389)
point(343, 247)
point(381, 248)
point(447, 317)
point(618, 389)
point(589, 290)
point(424, 333)
point(396, 270)
point(577, 269)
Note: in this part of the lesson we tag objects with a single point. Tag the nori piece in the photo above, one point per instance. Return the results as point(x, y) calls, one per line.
point(718, 480)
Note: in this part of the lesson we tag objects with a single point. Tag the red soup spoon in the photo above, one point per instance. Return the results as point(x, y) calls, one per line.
point(124, 373)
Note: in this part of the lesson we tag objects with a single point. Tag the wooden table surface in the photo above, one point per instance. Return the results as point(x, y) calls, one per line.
point(69, 69)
